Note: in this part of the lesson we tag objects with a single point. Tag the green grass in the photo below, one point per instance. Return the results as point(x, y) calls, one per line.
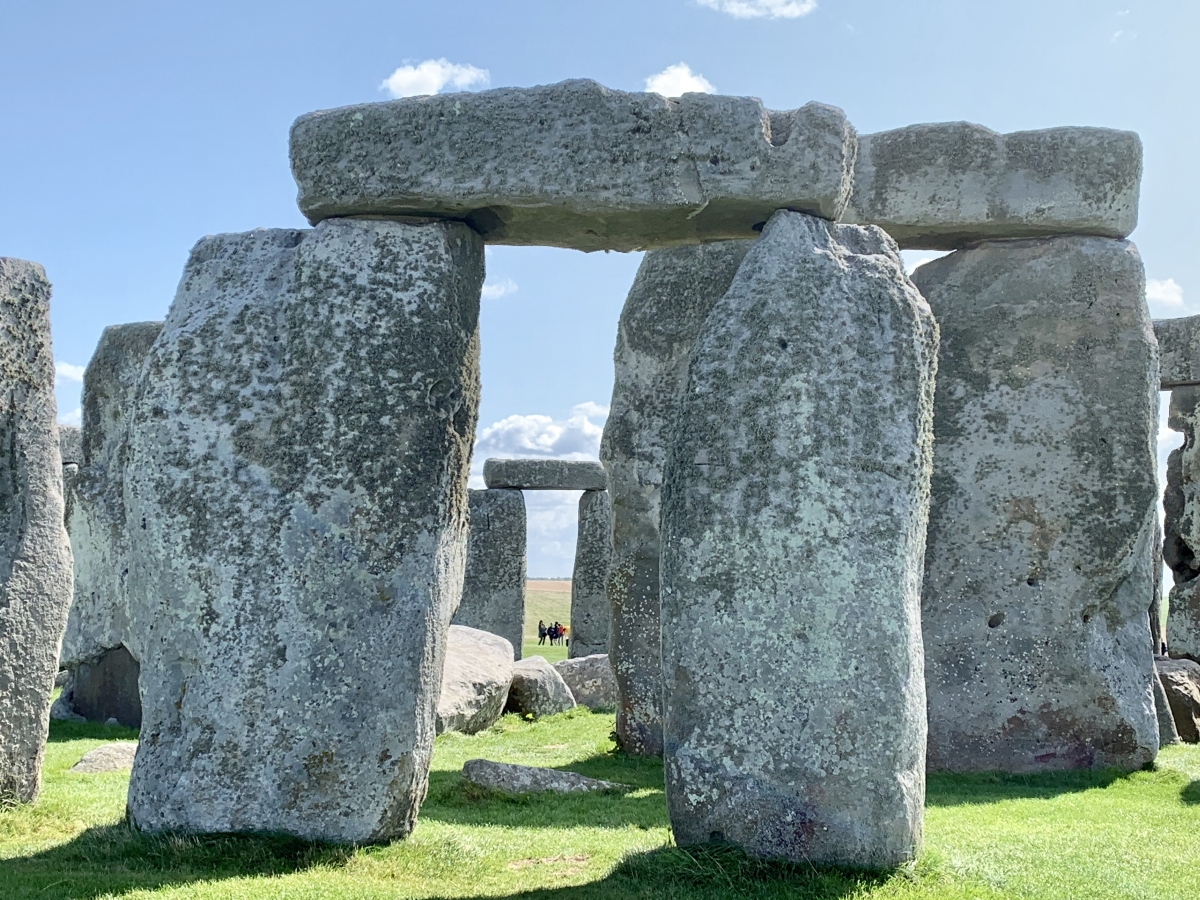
point(549, 601)
point(1074, 836)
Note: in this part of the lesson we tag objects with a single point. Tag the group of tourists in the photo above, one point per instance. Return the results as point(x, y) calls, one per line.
point(557, 633)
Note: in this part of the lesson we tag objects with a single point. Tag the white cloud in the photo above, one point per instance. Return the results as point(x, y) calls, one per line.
point(64, 371)
point(494, 290)
point(74, 417)
point(1164, 294)
point(541, 437)
point(677, 80)
point(431, 76)
point(914, 259)
point(762, 9)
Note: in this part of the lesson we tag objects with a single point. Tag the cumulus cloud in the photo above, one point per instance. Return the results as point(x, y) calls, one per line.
point(762, 9)
point(64, 371)
point(494, 290)
point(1166, 296)
point(74, 417)
point(677, 80)
point(431, 77)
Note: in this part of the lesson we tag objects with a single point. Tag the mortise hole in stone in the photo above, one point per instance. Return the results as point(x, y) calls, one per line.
point(995, 620)
point(1086, 617)
point(1032, 582)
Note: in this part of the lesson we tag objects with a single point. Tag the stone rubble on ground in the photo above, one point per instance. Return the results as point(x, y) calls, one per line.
point(538, 689)
point(590, 680)
point(475, 680)
point(513, 779)
point(114, 757)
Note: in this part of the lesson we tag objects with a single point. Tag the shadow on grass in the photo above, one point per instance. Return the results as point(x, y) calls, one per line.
point(76, 731)
point(947, 789)
point(116, 859)
point(1191, 793)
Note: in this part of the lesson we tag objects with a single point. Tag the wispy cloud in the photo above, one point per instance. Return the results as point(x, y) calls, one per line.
point(762, 9)
point(677, 80)
point(494, 290)
point(64, 371)
point(1165, 297)
point(433, 76)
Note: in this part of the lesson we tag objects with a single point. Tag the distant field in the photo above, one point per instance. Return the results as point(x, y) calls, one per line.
point(549, 601)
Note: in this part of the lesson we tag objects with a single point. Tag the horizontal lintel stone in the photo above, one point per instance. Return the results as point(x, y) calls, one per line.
point(1178, 351)
point(544, 475)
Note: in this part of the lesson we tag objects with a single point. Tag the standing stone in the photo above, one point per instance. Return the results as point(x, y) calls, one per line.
point(794, 509)
point(1039, 562)
point(1178, 351)
point(101, 689)
point(1168, 733)
point(1181, 542)
point(671, 296)
point(593, 550)
point(297, 488)
point(35, 556)
point(70, 444)
point(493, 597)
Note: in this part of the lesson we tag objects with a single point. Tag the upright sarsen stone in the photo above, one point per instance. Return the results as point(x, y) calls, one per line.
point(589, 601)
point(35, 557)
point(1039, 564)
point(493, 595)
point(671, 297)
point(1181, 544)
point(794, 510)
point(297, 488)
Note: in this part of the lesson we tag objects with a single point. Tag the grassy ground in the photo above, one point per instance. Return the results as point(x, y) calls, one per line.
point(1072, 836)
point(549, 601)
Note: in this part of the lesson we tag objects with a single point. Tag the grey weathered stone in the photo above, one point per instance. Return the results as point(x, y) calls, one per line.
point(671, 297)
point(35, 556)
point(99, 619)
point(1178, 351)
point(1038, 566)
point(1168, 733)
point(537, 689)
point(103, 688)
point(513, 779)
point(589, 601)
point(943, 186)
point(70, 444)
point(576, 164)
point(1181, 539)
point(114, 757)
point(544, 474)
point(794, 507)
point(493, 597)
point(1180, 680)
point(297, 480)
point(590, 680)
point(475, 680)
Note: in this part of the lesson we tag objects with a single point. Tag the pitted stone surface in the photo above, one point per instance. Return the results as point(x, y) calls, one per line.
point(943, 186)
point(671, 296)
point(115, 757)
point(70, 444)
point(1180, 680)
point(99, 619)
point(513, 779)
point(1168, 733)
point(1178, 351)
point(297, 484)
point(1181, 543)
point(475, 680)
point(590, 680)
point(493, 597)
point(537, 689)
point(1038, 567)
point(593, 550)
point(576, 164)
point(544, 474)
point(35, 556)
point(794, 507)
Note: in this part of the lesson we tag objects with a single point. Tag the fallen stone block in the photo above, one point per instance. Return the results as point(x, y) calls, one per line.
point(1178, 351)
point(538, 689)
point(35, 555)
point(475, 680)
point(513, 779)
point(544, 475)
point(1039, 560)
point(493, 597)
point(589, 600)
point(590, 680)
point(297, 475)
point(115, 757)
point(576, 164)
point(943, 186)
point(1180, 680)
point(793, 530)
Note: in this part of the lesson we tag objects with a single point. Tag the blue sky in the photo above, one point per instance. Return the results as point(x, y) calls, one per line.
point(130, 130)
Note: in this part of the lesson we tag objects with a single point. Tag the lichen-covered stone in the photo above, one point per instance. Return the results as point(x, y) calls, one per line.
point(475, 680)
point(513, 779)
point(794, 508)
point(297, 488)
point(1168, 733)
point(946, 185)
point(544, 474)
point(576, 164)
point(589, 601)
point(99, 619)
point(35, 556)
point(1181, 532)
point(493, 597)
point(70, 444)
point(537, 689)
point(671, 296)
point(115, 757)
point(590, 680)
point(1178, 351)
point(1038, 568)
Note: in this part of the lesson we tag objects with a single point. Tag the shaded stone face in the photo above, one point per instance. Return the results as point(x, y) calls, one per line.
point(107, 688)
point(296, 487)
point(576, 164)
point(493, 597)
point(544, 475)
point(671, 296)
point(1181, 538)
point(70, 444)
point(1038, 568)
point(1179, 351)
point(35, 556)
point(589, 602)
point(946, 185)
point(793, 529)
point(538, 689)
